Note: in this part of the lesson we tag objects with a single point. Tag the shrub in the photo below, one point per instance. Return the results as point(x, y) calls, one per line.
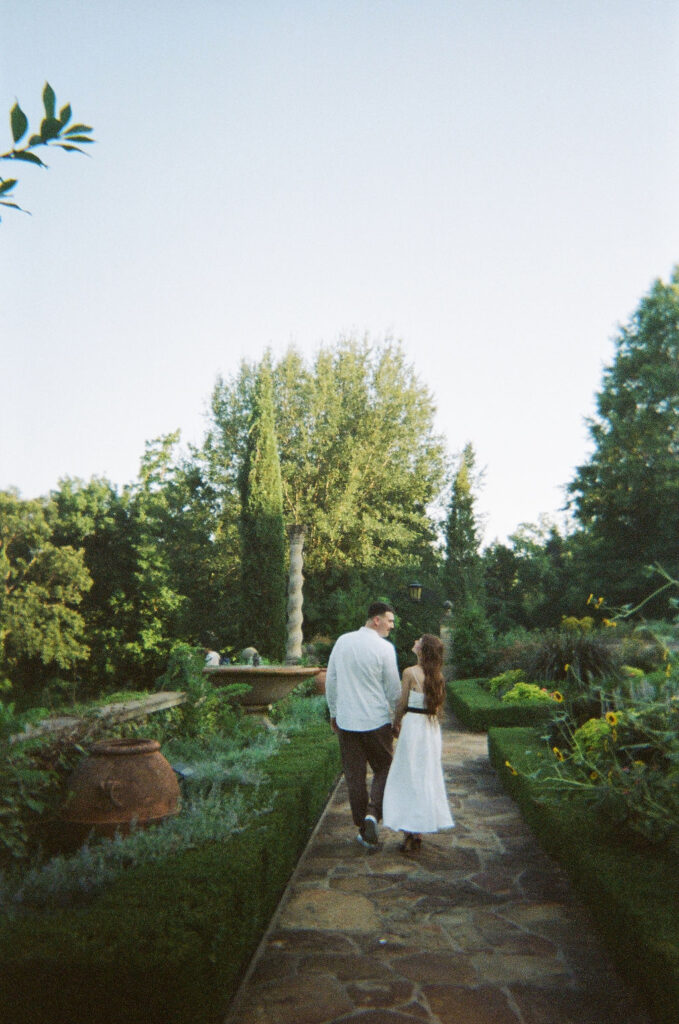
point(531, 693)
point(499, 685)
point(472, 642)
point(630, 888)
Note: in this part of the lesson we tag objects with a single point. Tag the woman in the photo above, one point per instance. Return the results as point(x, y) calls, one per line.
point(415, 795)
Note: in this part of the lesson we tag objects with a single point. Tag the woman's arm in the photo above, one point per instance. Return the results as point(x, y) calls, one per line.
point(402, 704)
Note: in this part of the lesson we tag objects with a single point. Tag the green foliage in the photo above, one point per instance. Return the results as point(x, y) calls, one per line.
point(462, 570)
point(479, 710)
point(360, 464)
point(472, 641)
point(626, 497)
point(502, 683)
point(41, 589)
point(56, 129)
point(190, 919)
point(263, 542)
point(578, 660)
point(529, 693)
point(631, 889)
point(626, 764)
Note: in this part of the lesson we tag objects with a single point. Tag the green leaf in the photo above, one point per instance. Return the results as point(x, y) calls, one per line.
point(77, 128)
point(65, 114)
point(78, 138)
point(49, 129)
point(29, 158)
point(69, 149)
point(7, 184)
point(49, 100)
point(18, 121)
point(12, 206)
point(35, 140)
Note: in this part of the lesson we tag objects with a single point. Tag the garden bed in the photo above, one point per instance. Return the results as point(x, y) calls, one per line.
point(170, 940)
point(631, 887)
point(479, 710)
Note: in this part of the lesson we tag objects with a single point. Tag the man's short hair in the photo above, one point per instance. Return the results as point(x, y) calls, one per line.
point(379, 608)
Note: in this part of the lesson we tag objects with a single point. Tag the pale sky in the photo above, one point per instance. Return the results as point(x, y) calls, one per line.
point(493, 182)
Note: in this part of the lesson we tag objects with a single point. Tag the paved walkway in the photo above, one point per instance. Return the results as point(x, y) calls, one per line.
point(480, 927)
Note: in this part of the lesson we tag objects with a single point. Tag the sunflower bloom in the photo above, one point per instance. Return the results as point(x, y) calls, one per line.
point(557, 696)
point(600, 601)
point(610, 623)
point(557, 753)
point(590, 598)
point(594, 776)
point(511, 768)
point(611, 718)
point(566, 667)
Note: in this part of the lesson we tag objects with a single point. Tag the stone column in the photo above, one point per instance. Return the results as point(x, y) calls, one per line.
point(293, 647)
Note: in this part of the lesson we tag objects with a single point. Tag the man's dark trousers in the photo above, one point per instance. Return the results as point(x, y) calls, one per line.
point(358, 750)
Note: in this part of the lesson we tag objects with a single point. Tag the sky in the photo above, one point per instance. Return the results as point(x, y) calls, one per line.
point(493, 183)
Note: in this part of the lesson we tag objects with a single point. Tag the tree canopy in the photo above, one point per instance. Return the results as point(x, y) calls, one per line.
point(361, 465)
point(626, 496)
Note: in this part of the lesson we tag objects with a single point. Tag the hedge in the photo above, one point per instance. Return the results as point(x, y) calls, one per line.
point(631, 887)
point(479, 710)
point(170, 942)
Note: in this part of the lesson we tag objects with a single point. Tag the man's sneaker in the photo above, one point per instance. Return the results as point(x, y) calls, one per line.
point(370, 847)
point(369, 830)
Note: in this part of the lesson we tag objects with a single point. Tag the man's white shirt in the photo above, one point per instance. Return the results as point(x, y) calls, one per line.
point(363, 684)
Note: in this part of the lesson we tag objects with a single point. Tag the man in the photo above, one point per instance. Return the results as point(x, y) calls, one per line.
point(362, 688)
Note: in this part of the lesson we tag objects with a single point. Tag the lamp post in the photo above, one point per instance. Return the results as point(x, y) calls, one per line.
point(415, 592)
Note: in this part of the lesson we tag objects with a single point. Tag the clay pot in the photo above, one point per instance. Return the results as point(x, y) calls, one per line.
point(119, 782)
point(320, 680)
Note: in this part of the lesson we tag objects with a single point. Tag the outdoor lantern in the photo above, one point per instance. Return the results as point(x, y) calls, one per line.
point(415, 591)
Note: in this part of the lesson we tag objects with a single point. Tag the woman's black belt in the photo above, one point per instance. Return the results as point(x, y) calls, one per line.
point(417, 711)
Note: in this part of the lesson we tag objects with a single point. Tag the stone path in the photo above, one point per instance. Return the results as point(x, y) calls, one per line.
point(480, 927)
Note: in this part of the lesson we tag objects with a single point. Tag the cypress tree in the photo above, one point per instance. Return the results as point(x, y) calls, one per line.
point(262, 529)
point(463, 569)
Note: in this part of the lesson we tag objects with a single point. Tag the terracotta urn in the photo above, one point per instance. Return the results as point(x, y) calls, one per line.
point(121, 781)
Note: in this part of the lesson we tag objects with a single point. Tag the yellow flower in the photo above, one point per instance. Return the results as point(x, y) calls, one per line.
point(566, 667)
point(611, 718)
point(610, 623)
point(600, 601)
point(557, 753)
point(590, 598)
point(511, 768)
point(639, 764)
point(558, 697)
point(668, 670)
point(594, 776)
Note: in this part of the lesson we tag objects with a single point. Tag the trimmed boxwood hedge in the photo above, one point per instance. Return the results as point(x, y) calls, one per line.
point(479, 710)
point(632, 888)
point(170, 941)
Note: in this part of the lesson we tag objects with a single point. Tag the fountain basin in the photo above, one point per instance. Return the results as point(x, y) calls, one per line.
point(268, 683)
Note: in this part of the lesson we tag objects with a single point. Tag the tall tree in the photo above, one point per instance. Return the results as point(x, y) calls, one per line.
point(627, 495)
point(263, 543)
point(463, 573)
point(361, 466)
point(42, 585)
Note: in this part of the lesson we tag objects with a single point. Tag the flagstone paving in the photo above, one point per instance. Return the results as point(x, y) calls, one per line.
point(480, 927)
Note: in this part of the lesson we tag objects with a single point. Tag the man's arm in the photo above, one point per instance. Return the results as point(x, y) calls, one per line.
point(331, 690)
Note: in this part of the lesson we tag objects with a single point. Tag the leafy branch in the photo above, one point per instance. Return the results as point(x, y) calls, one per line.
point(55, 130)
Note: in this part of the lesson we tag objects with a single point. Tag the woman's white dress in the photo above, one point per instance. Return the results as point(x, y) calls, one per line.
point(415, 795)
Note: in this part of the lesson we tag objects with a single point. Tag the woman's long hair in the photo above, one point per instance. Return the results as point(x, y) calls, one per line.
point(431, 660)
